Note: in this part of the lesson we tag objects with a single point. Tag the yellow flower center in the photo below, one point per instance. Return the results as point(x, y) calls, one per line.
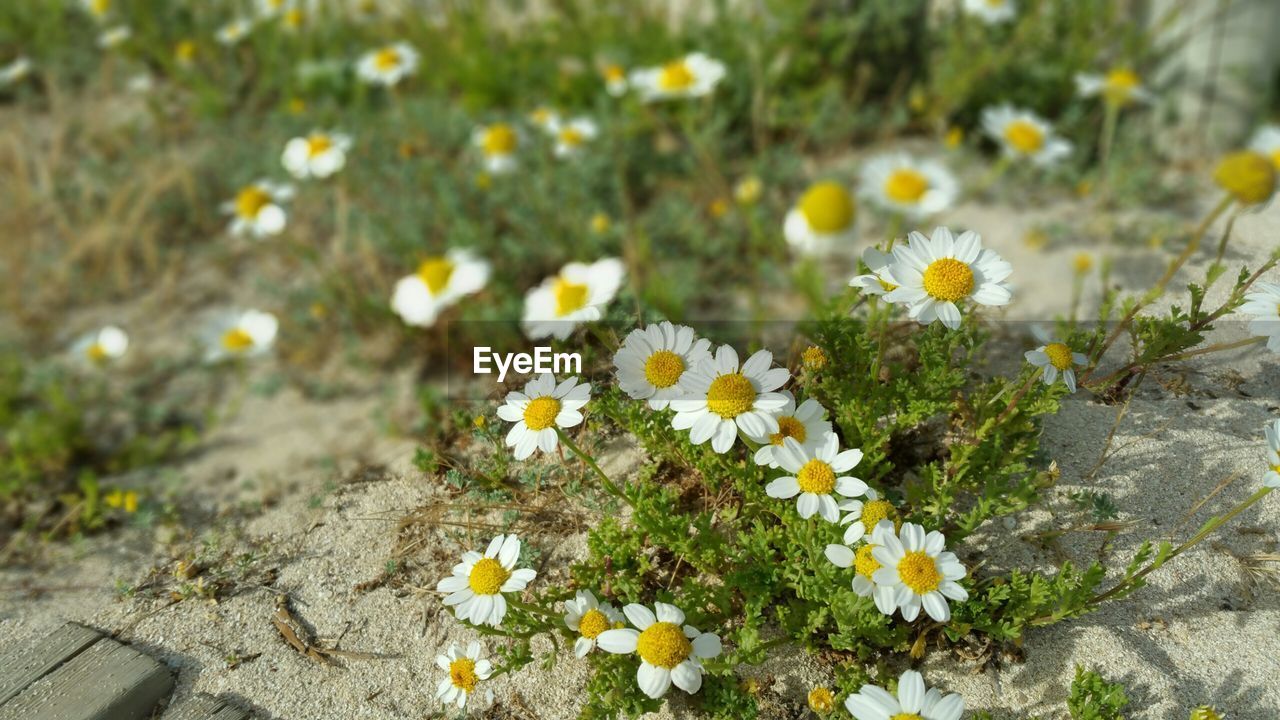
point(293, 18)
point(1059, 355)
point(827, 207)
point(864, 563)
point(462, 673)
point(1204, 712)
point(816, 477)
point(1120, 85)
point(1024, 137)
point(813, 357)
point(387, 59)
point(676, 75)
point(996, 3)
point(541, 116)
point(788, 427)
point(572, 137)
point(499, 139)
point(599, 223)
point(919, 572)
point(99, 7)
point(570, 296)
point(908, 716)
point(821, 700)
point(663, 644)
point(1082, 263)
point(318, 143)
point(97, 353)
point(873, 511)
point(948, 279)
point(906, 186)
point(593, 623)
point(435, 273)
point(185, 51)
point(250, 201)
point(1249, 176)
point(1275, 158)
point(613, 73)
point(487, 576)
point(663, 368)
point(236, 340)
point(541, 412)
point(731, 395)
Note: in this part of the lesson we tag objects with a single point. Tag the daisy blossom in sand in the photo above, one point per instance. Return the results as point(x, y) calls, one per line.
point(15, 71)
point(912, 702)
point(904, 185)
point(652, 360)
point(572, 136)
point(670, 651)
point(439, 283)
point(876, 282)
point(1272, 432)
point(806, 424)
point(542, 407)
point(101, 346)
point(388, 65)
point(467, 669)
point(615, 80)
point(934, 274)
point(234, 31)
point(1023, 135)
point(256, 210)
point(112, 38)
point(919, 570)
point(589, 618)
point(1263, 303)
point(318, 155)
point(1055, 358)
point(724, 398)
point(821, 220)
point(1118, 87)
point(862, 560)
point(816, 477)
point(693, 75)
point(498, 144)
point(234, 334)
point(1266, 141)
point(864, 515)
point(476, 586)
point(577, 294)
point(991, 12)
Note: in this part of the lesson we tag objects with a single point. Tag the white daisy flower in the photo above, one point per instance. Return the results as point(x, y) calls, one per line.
point(913, 188)
point(913, 702)
point(864, 515)
point(589, 618)
point(652, 360)
point(1272, 431)
point(817, 477)
point(1022, 134)
point(544, 118)
point(114, 37)
point(1263, 303)
point(571, 136)
point(876, 282)
point(271, 8)
point(1055, 358)
point(693, 75)
point(823, 219)
point(101, 346)
point(864, 565)
point(388, 65)
point(15, 71)
point(476, 586)
point(1120, 86)
point(807, 425)
point(498, 144)
point(256, 210)
point(1266, 141)
point(991, 12)
point(318, 155)
point(234, 31)
point(934, 274)
point(439, 283)
point(670, 651)
point(615, 80)
point(99, 9)
point(240, 334)
point(919, 570)
point(466, 671)
point(724, 398)
point(540, 409)
point(577, 294)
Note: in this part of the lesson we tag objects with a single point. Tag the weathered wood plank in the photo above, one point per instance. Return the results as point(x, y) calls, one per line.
point(205, 707)
point(107, 681)
point(21, 665)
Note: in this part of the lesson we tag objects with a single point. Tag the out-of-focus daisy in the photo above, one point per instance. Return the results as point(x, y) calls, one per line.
point(816, 477)
point(821, 700)
point(498, 144)
point(725, 397)
point(235, 334)
point(670, 651)
point(257, 209)
point(1249, 176)
point(806, 424)
point(577, 294)
point(652, 360)
point(272, 8)
point(466, 671)
point(439, 283)
point(476, 586)
point(1267, 142)
point(317, 155)
point(934, 274)
point(914, 188)
point(865, 514)
point(693, 75)
point(542, 407)
point(15, 71)
point(388, 65)
point(822, 220)
point(233, 31)
point(114, 37)
point(1118, 87)
point(1272, 432)
point(293, 19)
point(589, 618)
point(544, 118)
point(862, 560)
point(98, 9)
point(912, 701)
point(991, 12)
point(615, 80)
point(1022, 134)
point(184, 53)
point(102, 346)
point(876, 282)
point(1263, 303)
point(919, 569)
point(1056, 358)
point(571, 136)
point(748, 190)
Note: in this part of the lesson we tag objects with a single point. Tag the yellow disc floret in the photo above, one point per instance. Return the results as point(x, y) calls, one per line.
point(827, 207)
point(541, 412)
point(318, 143)
point(919, 572)
point(873, 511)
point(906, 186)
point(1249, 176)
point(387, 59)
point(664, 645)
point(813, 358)
point(663, 368)
point(864, 563)
point(487, 576)
point(97, 353)
point(250, 201)
point(816, 477)
point(821, 700)
point(905, 716)
point(1023, 136)
point(1059, 355)
point(572, 137)
point(462, 673)
point(237, 340)
point(435, 273)
point(731, 395)
point(1204, 712)
point(499, 139)
point(788, 427)
point(948, 279)
point(569, 296)
point(676, 75)
point(593, 623)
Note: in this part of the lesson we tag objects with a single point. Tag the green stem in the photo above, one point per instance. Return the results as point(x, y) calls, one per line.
point(590, 461)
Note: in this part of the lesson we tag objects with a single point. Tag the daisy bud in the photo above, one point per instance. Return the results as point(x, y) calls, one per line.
point(1247, 175)
point(821, 700)
point(1204, 712)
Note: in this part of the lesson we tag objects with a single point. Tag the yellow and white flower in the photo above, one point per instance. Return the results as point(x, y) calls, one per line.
point(670, 651)
point(439, 283)
point(903, 185)
point(15, 71)
point(1056, 358)
point(1263, 303)
point(934, 274)
point(257, 209)
point(823, 219)
point(235, 30)
point(544, 118)
point(864, 515)
point(806, 424)
point(615, 80)
point(98, 9)
point(572, 136)
point(498, 144)
point(235, 334)
point(102, 346)
point(693, 75)
point(268, 9)
point(388, 65)
point(466, 671)
point(1272, 477)
point(577, 294)
point(318, 155)
point(478, 582)
point(1023, 135)
point(912, 701)
point(114, 37)
point(817, 476)
point(540, 409)
point(724, 398)
point(991, 12)
point(589, 618)
point(1118, 87)
point(919, 570)
point(1266, 141)
point(862, 560)
point(652, 360)
point(876, 282)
